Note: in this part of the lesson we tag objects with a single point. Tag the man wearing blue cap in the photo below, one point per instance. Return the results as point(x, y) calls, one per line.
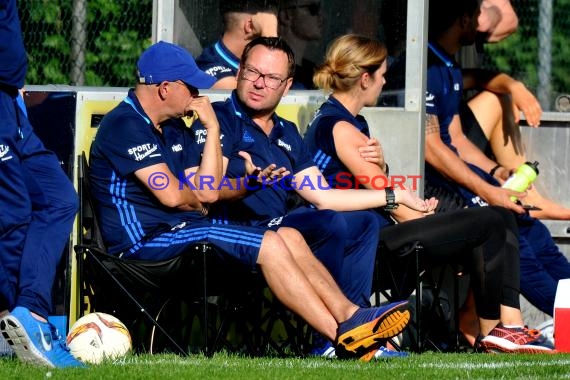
point(153, 187)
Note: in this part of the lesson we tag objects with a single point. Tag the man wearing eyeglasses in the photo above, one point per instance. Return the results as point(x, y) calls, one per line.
point(300, 23)
point(148, 213)
point(253, 134)
point(243, 20)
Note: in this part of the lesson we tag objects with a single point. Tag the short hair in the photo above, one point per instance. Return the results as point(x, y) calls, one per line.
point(284, 4)
point(272, 43)
point(347, 58)
point(248, 6)
point(444, 13)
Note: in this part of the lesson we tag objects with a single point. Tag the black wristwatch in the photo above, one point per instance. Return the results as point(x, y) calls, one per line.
point(390, 199)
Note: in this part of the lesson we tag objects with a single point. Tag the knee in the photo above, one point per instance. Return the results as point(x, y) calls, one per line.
point(68, 202)
point(291, 236)
point(334, 224)
point(507, 216)
point(493, 221)
point(274, 250)
point(364, 223)
point(370, 219)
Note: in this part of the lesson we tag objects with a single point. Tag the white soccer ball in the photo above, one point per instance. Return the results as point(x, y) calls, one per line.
point(98, 336)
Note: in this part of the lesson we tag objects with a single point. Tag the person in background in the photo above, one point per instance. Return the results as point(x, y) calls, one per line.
point(497, 20)
point(300, 23)
point(482, 240)
point(243, 20)
point(38, 205)
point(457, 170)
point(143, 219)
point(497, 133)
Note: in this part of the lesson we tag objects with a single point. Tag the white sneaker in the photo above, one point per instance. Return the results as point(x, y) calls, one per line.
point(546, 328)
point(34, 341)
point(5, 348)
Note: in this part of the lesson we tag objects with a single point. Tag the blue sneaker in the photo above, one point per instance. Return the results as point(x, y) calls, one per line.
point(364, 331)
point(321, 346)
point(34, 341)
point(385, 353)
point(326, 350)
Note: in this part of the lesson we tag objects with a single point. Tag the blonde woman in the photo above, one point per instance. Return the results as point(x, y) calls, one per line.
point(483, 240)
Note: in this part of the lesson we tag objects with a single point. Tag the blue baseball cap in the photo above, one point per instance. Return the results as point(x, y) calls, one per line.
point(165, 61)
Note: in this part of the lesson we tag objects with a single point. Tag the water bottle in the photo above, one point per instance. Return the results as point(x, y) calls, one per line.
point(521, 179)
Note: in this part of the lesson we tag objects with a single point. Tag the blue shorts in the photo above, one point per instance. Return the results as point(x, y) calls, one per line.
point(242, 243)
point(344, 242)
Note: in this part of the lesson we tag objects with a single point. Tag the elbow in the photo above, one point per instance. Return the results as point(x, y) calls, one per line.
point(171, 202)
point(321, 205)
point(208, 196)
point(428, 153)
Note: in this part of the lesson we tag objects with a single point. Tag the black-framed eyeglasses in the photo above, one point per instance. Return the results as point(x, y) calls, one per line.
point(271, 81)
point(313, 8)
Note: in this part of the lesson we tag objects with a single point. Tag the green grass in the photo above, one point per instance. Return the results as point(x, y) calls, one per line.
point(228, 366)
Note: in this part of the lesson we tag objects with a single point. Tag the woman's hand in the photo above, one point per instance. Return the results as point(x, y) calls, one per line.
point(373, 152)
point(408, 198)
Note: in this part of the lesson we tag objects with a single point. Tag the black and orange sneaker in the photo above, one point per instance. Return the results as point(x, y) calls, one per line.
point(368, 327)
point(515, 340)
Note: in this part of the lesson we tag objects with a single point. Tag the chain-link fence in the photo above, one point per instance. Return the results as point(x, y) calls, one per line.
point(97, 42)
point(539, 52)
point(85, 42)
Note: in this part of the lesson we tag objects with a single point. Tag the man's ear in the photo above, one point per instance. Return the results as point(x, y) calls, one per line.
point(288, 85)
point(248, 27)
point(163, 89)
point(466, 21)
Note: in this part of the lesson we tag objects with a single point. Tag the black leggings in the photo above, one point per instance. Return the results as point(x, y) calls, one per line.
point(483, 240)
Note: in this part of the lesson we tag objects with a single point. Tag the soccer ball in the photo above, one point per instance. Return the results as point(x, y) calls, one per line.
point(98, 336)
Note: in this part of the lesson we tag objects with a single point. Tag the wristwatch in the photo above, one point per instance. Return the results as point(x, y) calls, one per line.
point(390, 199)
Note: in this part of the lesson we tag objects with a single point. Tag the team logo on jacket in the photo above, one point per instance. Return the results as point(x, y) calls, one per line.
point(429, 99)
point(283, 144)
point(143, 151)
point(218, 70)
point(246, 137)
point(5, 153)
point(201, 136)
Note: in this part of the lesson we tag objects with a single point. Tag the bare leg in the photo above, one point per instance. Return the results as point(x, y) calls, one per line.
point(486, 325)
point(291, 285)
point(509, 317)
point(507, 146)
point(469, 321)
point(319, 277)
point(471, 325)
